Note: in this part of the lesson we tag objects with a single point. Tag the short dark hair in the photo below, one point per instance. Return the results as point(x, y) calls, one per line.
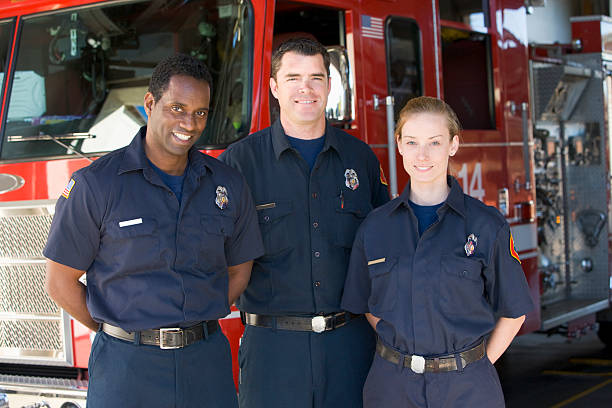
point(178, 64)
point(302, 46)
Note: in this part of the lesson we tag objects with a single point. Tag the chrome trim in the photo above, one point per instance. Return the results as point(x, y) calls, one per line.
point(436, 48)
point(33, 207)
point(575, 314)
point(495, 144)
point(591, 18)
point(13, 181)
point(63, 357)
point(42, 334)
point(528, 255)
point(27, 316)
point(389, 101)
point(36, 389)
point(527, 144)
point(16, 261)
point(69, 136)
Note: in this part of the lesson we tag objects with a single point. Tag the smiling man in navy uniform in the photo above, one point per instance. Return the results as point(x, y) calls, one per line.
point(313, 184)
point(166, 237)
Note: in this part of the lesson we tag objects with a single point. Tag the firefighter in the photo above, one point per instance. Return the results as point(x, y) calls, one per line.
point(166, 237)
point(313, 184)
point(436, 273)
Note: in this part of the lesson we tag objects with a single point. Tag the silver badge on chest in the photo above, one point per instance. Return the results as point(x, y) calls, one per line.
point(221, 200)
point(352, 181)
point(470, 245)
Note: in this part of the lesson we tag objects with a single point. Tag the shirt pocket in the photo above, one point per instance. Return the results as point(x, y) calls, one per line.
point(217, 229)
point(461, 286)
point(383, 282)
point(274, 218)
point(350, 217)
point(133, 244)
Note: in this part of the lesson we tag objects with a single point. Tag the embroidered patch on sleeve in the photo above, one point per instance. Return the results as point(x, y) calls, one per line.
point(383, 179)
point(512, 250)
point(68, 189)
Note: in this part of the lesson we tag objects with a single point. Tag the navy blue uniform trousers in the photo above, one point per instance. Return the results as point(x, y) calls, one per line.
point(122, 374)
point(390, 385)
point(282, 368)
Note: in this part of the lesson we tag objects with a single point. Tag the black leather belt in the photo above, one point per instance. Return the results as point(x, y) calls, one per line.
point(420, 364)
point(166, 338)
point(317, 324)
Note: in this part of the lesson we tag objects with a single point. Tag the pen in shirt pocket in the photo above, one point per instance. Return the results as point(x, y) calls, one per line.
point(341, 196)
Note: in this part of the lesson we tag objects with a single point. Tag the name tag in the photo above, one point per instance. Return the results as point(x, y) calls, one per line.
point(265, 206)
point(376, 261)
point(127, 223)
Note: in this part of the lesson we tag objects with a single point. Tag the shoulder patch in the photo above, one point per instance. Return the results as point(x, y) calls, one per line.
point(383, 179)
point(512, 250)
point(68, 189)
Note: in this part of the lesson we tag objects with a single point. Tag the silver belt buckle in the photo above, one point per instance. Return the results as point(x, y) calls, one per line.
point(417, 364)
point(169, 330)
point(318, 324)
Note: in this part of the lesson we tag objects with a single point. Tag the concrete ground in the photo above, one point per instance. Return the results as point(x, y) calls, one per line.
point(554, 372)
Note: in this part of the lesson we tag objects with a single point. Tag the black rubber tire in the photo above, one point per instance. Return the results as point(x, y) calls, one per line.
point(605, 333)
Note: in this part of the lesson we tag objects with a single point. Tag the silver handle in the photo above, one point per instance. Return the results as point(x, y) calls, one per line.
point(526, 145)
point(391, 144)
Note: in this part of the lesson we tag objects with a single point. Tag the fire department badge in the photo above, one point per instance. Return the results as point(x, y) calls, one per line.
point(470, 245)
point(352, 181)
point(221, 200)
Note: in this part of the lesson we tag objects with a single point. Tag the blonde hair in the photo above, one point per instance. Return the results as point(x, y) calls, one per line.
point(427, 104)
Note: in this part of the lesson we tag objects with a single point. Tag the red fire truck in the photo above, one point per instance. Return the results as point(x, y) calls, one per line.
point(536, 142)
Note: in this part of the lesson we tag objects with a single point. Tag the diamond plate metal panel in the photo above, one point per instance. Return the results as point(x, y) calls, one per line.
point(23, 237)
point(22, 290)
point(33, 329)
point(43, 335)
point(66, 383)
point(545, 80)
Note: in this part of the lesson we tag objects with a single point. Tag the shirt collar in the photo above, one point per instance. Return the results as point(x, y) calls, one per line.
point(454, 200)
point(280, 143)
point(135, 158)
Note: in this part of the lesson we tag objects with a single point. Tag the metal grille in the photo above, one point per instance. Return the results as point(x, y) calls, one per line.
point(545, 78)
point(22, 290)
point(32, 326)
point(23, 237)
point(67, 383)
point(24, 334)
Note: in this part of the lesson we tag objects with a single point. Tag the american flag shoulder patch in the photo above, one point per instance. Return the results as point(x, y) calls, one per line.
point(68, 189)
point(512, 250)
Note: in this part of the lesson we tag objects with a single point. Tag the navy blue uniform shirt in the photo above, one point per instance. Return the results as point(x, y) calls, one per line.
point(433, 298)
point(308, 219)
point(150, 260)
